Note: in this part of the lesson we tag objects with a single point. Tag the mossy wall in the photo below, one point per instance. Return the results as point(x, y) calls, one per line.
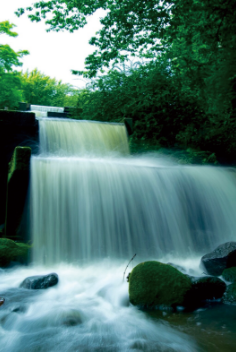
point(17, 186)
point(16, 129)
point(11, 251)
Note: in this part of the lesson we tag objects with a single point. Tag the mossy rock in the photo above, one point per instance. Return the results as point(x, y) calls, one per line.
point(230, 294)
point(11, 251)
point(154, 284)
point(230, 274)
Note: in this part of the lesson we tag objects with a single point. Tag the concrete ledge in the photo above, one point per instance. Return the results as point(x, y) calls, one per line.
point(57, 114)
point(24, 106)
point(19, 118)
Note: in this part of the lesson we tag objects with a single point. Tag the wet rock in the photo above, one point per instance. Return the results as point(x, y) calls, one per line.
point(229, 274)
point(2, 300)
point(178, 267)
point(40, 282)
point(230, 294)
point(71, 318)
point(224, 256)
point(203, 289)
point(153, 284)
point(19, 309)
point(11, 251)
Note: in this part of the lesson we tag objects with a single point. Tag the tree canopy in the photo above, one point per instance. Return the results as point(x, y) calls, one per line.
point(187, 81)
point(40, 89)
point(10, 82)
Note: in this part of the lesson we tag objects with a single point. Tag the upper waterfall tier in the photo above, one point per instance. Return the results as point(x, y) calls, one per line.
point(46, 108)
point(73, 137)
point(42, 111)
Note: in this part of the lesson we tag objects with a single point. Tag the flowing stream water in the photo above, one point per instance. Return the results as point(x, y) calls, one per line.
point(93, 206)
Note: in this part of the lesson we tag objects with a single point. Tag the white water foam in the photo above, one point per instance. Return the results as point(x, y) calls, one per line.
point(88, 311)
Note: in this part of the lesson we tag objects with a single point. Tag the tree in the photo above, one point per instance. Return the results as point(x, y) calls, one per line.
point(10, 82)
point(197, 36)
point(196, 41)
point(42, 90)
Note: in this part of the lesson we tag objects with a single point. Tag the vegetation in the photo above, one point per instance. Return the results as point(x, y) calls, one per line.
point(230, 274)
point(39, 89)
point(11, 251)
point(33, 87)
point(181, 92)
point(10, 82)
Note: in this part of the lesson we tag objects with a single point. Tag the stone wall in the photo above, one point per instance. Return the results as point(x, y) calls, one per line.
point(16, 129)
point(17, 187)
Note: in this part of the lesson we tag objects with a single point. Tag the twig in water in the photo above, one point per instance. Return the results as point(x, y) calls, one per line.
point(128, 265)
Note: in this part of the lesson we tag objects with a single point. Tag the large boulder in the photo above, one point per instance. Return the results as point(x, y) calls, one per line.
point(203, 289)
point(223, 257)
point(230, 294)
point(229, 274)
point(154, 284)
point(40, 282)
point(11, 251)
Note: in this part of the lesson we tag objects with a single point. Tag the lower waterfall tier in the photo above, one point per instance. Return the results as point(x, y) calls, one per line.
point(85, 209)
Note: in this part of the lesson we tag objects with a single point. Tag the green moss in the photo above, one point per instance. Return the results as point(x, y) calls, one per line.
point(20, 160)
point(230, 294)
point(11, 251)
point(230, 274)
point(156, 284)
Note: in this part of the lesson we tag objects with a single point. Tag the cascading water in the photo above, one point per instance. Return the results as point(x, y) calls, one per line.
point(41, 111)
point(72, 138)
point(93, 206)
point(88, 204)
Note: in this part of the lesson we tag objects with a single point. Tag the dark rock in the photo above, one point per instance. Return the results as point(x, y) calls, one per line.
point(70, 318)
point(19, 309)
point(203, 289)
point(223, 257)
point(230, 274)
point(182, 269)
point(2, 300)
point(230, 294)
point(153, 284)
point(40, 282)
point(178, 267)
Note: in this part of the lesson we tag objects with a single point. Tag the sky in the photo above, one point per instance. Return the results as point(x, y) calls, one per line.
point(53, 53)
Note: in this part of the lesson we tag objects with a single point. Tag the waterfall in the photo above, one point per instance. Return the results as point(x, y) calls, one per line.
point(92, 200)
point(41, 111)
point(46, 108)
point(72, 137)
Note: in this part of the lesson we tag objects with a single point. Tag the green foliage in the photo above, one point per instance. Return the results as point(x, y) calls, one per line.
point(6, 28)
point(230, 295)
point(185, 97)
point(11, 251)
point(42, 90)
point(229, 274)
point(10, 82)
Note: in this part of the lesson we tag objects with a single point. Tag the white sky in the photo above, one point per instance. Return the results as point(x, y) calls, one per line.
point(54, 54)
